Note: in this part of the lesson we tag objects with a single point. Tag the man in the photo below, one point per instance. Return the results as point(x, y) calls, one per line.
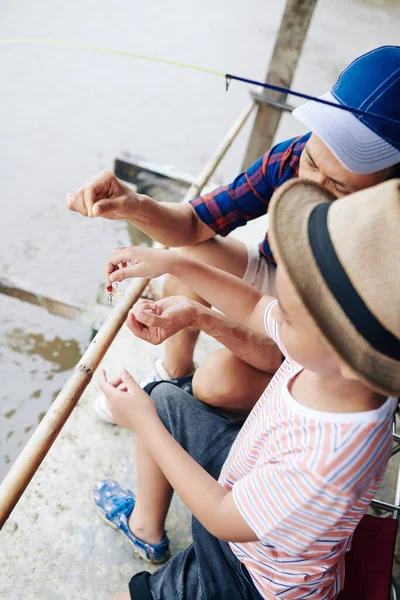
point(345, 153)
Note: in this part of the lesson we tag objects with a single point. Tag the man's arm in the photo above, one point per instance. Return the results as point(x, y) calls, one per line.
point(170, 224)
point(155, 322)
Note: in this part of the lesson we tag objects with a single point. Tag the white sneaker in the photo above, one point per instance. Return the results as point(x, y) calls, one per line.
point(158, 373)
point(102, 411)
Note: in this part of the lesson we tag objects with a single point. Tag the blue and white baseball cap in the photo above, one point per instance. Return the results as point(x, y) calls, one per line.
point(362, 143)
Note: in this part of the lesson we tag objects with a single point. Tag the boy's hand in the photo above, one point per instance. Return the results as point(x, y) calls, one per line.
point(157, 321)
point(104, 196)
point(137, 261)
point(128, 403)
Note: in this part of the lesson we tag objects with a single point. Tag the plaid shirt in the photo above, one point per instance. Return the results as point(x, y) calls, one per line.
point(248, 196)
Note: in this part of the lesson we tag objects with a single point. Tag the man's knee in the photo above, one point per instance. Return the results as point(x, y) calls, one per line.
point(226, 382)
point(217, 383)
point(209, 386)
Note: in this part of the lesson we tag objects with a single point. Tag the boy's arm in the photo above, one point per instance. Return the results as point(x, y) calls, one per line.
point(226, 292)
point(211, 503)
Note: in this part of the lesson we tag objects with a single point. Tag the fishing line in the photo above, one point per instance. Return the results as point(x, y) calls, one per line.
point(157, 59)
point(228, 77)
point(277, 88)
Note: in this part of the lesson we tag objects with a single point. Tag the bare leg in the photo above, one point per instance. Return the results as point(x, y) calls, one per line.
point(125, 596)
point(227, 382)
point(153, 498)
point(227, 254)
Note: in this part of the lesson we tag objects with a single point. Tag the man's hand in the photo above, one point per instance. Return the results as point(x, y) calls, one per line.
point(104, 196)
point(138, 261)
point(157, 321)
point(126, 400)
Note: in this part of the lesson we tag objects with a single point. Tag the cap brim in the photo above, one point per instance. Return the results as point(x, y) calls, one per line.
point(356, 146)
point(290, 210)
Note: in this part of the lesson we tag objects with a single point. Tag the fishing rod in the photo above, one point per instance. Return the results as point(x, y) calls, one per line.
point(227, 76)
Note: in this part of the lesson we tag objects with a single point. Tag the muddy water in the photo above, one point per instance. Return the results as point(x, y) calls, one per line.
point(66, 113)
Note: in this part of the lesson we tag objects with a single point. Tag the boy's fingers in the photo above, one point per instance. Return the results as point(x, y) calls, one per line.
point(128, 380)
point(119, 256)
point(121, 274)
point(105, 386)
point(116, 381)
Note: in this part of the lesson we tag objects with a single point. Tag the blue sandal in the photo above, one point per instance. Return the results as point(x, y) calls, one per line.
point(115, 505)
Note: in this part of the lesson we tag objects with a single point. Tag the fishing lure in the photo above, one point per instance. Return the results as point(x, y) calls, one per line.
point(113, 293)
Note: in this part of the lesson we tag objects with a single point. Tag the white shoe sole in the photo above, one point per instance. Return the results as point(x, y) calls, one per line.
point(100, 410)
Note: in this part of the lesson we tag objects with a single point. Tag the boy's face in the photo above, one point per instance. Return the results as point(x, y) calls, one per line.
point(317, 163)
point(298, 332)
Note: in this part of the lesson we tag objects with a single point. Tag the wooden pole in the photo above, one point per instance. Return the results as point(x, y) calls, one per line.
point(289, 43)
point(29, 460)
point(213, 163)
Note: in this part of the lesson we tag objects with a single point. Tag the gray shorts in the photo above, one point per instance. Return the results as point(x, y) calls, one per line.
point(208, 569)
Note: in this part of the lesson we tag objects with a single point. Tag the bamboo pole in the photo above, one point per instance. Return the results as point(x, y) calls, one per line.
point(32, 455)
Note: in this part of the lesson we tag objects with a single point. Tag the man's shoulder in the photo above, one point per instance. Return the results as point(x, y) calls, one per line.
point(282, 161)
point(293, 146)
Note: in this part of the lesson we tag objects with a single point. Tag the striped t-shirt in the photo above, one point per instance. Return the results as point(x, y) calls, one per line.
point(302, 479)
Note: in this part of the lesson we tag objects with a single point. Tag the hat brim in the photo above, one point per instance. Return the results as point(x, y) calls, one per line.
point(357, 147)
point(290, 210)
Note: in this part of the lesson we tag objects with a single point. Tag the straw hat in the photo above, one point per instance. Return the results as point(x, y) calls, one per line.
point(343, 258)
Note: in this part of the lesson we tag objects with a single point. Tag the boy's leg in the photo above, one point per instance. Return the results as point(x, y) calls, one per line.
point(153, 497)
point(226, 254)
point(207, 436)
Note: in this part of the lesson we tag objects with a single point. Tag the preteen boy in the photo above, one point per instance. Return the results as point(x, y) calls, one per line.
point(301, 471)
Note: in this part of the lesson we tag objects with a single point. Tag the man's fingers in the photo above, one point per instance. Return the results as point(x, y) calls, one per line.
point(103, 207)
point(137, 328)
point(78, 202)
point(89, 198)
point(69, 199)
point(151, 319)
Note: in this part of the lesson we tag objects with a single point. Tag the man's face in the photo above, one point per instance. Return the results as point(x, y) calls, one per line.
point(317, 163)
